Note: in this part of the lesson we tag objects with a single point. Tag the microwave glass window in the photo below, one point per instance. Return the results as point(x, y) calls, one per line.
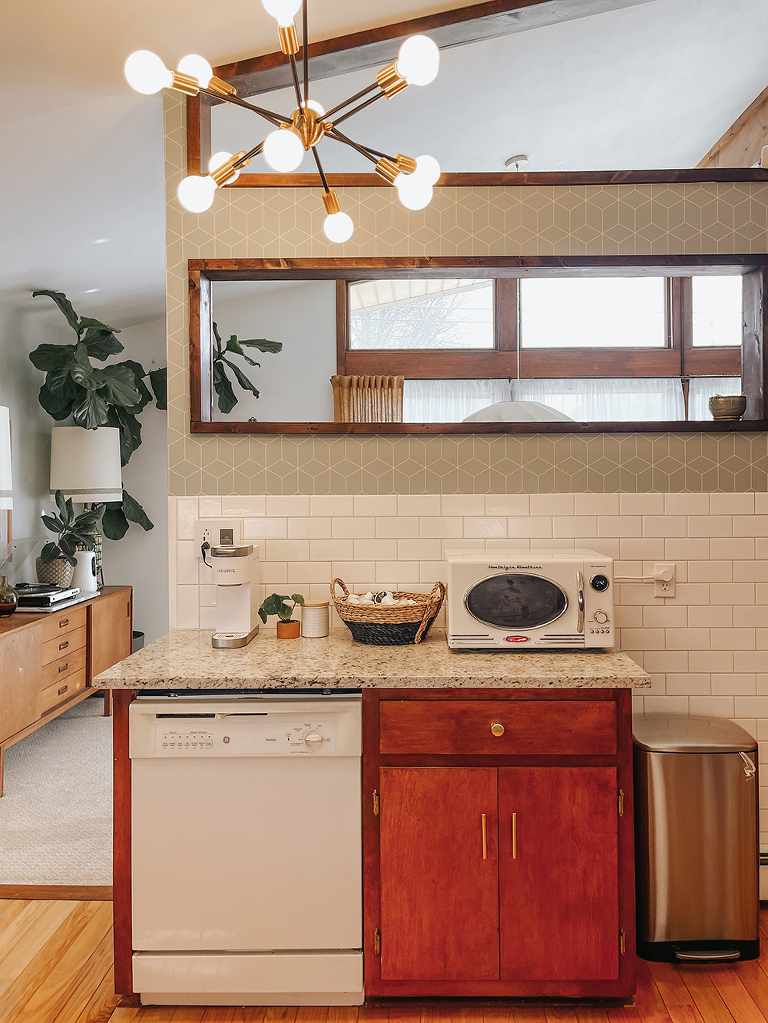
point(516, 601)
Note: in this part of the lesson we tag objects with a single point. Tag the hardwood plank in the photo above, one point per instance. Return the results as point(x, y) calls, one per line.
point(10, 909)
point(738, 1000)
point(280, 1012)
point(648, 1000)
point(705, 996)
point(21, 939)
point(85, 983)
point(529, 1014)
point(103, 1001)
point(755, 982)
point(188, 1014)
point(671, 985)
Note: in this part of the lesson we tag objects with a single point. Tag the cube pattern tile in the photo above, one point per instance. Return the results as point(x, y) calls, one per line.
point(516, 220)
point(706, 648)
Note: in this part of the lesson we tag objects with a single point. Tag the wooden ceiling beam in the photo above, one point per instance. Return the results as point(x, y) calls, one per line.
point(743, 143)
point(376, 47)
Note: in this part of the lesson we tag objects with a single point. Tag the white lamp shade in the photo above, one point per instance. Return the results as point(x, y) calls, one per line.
point(6, 481)
point(85, 464)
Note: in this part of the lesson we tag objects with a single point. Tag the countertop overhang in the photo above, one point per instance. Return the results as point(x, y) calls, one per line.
point(185, 659)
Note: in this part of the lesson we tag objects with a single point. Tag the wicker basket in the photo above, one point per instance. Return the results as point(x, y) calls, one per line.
point(387, 625)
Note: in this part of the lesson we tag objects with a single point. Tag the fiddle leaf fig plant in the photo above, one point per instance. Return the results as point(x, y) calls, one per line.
point(277, 604)
point(73, 532)
point(93, 396)
point(226, 397)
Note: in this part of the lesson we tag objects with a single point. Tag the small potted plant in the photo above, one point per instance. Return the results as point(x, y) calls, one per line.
point(73, 532)
point(278, 604)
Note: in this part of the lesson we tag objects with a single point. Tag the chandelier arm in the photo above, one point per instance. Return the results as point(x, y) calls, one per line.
point(346, 102)
point(296, 86)
point(247, 157)
point(363, 150)
point(268, 115)
point(305, 55)
point(358, 108)
point(320, 170)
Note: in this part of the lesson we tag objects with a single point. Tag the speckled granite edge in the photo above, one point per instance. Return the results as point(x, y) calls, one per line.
point(186, 660)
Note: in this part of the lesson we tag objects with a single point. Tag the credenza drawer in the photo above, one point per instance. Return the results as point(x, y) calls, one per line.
point(62, 622)
point(64, 644)
point(63, 667)
point(501, 727)
point(62, 690)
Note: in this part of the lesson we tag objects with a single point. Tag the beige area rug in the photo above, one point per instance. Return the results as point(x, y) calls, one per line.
point(56, 814)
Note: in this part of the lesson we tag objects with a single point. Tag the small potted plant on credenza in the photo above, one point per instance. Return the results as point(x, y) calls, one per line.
point(278, 604)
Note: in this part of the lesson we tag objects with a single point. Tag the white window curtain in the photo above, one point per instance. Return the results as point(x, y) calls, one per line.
point(607, 400)
point(450, 401)
point(703, 388)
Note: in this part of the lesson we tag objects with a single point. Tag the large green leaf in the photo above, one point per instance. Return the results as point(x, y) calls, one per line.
point(51, 523)
point(54, 403)
point(217, 335)
point(159, 380)
point(135, 513)
point(66, 510)
point(263, 344)
point(233, 345)
point(101, 343)
point(114, 524)
point(64, 305)
point(118, 386)
point(145, 396)
point(47, 357)
point(50, 552)
point(88, 323)
point(241, 378)
point(81, 370)
point(90, 411)
point(223, 388)
point(130, 431)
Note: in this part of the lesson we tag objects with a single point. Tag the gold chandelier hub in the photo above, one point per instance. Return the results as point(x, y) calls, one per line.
point(307, 124)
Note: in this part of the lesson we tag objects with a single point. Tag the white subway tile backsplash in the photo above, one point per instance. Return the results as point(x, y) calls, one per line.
point(314, 527)
point(641, 504)
point(596, 504)
point(742, 684)
point(688, 639)
point(209, 507)
point(186, 516)
point(732, 593)
point(750, 571)
point(266, 528)
point(688, 684)
point(643, 549)
point(418, 504)
point(711, 525)
point(353, 527)
point(286, 550)
point(686, 504)
point(331, 504)
point(485, 527)
point(530, 527)
point(505, 504)
point(463, 504)
point(552, 504)
point(375, 504)
point(398, 526)
point(333, 550)
point(731, 504)
point(241, 507)
point(621, 526)
point(710, 617)
point(710, 572)
point(712, 660)
point(680, 548)
point(574, 525)
point(750, 525)
point(446, 527)
point(665, 525)
point(714, 706)
point(416, 550)
point(301, 573)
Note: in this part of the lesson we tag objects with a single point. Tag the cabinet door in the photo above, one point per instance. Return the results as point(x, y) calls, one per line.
point(21, 661)
point(439, 879)
point(110, 630)
point(558, 873)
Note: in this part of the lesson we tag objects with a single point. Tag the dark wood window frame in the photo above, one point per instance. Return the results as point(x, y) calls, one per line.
point(203, 272)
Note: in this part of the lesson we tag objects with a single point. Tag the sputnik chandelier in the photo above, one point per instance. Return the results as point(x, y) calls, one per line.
point(284, 148)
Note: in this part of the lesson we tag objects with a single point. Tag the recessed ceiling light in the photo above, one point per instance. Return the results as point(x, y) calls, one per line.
point(90, 291)
point(100, 241)
point(516, 163)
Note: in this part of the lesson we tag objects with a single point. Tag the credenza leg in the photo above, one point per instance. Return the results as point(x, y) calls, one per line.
point(107, 703)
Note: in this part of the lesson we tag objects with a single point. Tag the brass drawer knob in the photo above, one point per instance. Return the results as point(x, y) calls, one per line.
point(497, 728)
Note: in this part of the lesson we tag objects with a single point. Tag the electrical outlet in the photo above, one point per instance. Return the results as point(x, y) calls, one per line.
point(664, 579)
point(217, 533)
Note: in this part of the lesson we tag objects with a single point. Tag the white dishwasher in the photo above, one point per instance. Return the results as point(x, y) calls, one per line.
point(246, 847)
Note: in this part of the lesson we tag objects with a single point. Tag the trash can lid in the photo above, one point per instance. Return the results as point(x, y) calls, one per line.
point(673, 733)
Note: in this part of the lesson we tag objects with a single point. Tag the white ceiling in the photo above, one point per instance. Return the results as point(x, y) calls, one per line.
point(653, 85)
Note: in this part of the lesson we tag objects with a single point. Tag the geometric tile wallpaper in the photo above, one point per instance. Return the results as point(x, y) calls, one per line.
point(708, 218)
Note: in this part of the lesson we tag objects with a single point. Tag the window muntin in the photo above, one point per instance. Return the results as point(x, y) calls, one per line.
point(716, 311)
point(593, 312)
point(421, 314)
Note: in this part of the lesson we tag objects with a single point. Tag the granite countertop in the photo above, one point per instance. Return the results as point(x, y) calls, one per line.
point(186, 660)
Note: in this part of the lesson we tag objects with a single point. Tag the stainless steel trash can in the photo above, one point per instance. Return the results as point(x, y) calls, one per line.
point(696, 841)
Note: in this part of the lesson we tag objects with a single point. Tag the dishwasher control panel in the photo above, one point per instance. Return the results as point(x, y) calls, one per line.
point(243, 735)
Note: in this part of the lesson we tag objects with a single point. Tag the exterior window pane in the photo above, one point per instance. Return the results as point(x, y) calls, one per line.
point(607, 400)
point(421, 314)
point(717, 315)
point(598, 312)
point(703, 388)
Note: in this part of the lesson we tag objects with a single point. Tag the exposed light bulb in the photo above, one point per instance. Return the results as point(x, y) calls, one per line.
point(418, 60)
point(217, 160)
point(196, 67)
point(283, 150)
point(146, 73)
point(414, 193)
point(314, 105)
point(338, 227)
point(196, 193)
point(427, 169)
point(283, 10)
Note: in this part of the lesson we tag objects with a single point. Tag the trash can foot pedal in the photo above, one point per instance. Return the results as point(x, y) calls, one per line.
point(706, 955)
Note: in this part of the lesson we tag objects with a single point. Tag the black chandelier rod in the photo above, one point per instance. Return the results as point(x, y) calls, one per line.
point(305, 44)
point(346, 102)
point(269, 115)
point(358, 108)
point(337, 136)
point(248, 156)
point(296, 86)
point(320, 169)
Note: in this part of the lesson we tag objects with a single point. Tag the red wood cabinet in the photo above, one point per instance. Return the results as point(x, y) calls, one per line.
point(506, 875)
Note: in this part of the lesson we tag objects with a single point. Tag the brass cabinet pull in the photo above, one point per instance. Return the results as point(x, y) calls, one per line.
point(64, 645)
point(514, 836)
point(63, 622)
point(63, 667)
point(497, 728)
point(485, 836)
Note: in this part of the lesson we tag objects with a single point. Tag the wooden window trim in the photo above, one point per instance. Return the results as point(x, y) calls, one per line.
point(203, 272)
point(725, 361)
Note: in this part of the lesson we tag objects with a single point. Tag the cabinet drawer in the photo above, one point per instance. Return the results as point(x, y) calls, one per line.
point(63, 622)
point(62, 690)
point(63, 667)
point(530, 727)
point(64, 645)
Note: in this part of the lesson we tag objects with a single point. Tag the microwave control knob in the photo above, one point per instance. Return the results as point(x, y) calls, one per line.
point(313, 740)
point(601, 617)
point(497, 728)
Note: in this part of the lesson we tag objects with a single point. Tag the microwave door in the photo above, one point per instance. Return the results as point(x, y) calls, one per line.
point(517, 602)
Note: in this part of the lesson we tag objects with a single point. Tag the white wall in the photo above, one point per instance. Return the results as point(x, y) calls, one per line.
point(141, 558)
point(294, 384)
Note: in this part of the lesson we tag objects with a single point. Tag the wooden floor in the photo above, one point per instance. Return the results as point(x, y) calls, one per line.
point(56, 967)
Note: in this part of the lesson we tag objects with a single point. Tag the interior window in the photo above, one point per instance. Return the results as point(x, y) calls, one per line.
point(596, 312)
point(717, 311)
point(409, 314)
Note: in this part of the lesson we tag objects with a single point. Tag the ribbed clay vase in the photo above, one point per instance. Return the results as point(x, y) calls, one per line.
point(55, 573)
